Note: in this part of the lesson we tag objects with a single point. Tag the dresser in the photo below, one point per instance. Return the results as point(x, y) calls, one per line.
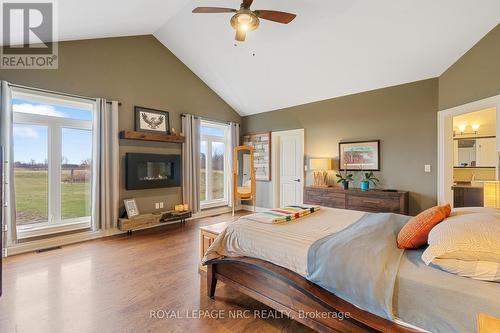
point(377, 201)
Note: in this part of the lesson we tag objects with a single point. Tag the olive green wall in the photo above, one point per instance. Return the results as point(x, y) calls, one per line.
point(135, 70)
point(474, 76)
point(402, 117)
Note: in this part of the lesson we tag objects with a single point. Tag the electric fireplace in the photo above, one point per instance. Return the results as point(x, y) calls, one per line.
point(143, 171)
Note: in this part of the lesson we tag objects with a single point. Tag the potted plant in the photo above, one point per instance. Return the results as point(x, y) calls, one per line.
point(344, 179)
point(369, 177)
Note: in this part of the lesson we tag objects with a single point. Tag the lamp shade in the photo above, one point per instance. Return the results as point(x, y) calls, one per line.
point(320, 164)
point(491, 194)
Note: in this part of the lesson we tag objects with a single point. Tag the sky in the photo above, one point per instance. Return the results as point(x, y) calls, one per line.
point(217, 147)
point(208, 130)
point(31, 141)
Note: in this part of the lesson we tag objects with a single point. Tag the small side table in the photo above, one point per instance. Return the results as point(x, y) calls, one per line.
point(148, 220)
point(207, 236)
point(177, 216)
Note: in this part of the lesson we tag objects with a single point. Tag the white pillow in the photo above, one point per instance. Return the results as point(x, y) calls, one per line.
point(472, 210)
point(479, 270)
point(474, 236)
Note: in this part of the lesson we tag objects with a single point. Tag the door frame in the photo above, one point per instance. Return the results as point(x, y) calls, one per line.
point(275, 158)
point(445, 143)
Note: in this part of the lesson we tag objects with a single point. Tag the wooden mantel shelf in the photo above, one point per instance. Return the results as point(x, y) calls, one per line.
point(145, 136)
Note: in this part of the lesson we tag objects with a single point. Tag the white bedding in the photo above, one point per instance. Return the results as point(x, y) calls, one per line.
point(284, 244)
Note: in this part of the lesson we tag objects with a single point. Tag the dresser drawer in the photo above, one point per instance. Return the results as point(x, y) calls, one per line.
point(377, 201)
point(373, 204)
point(323, 197)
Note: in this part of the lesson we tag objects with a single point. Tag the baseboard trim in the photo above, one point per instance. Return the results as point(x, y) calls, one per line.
point(212, 212)
point(250, 208)
point(59, 241)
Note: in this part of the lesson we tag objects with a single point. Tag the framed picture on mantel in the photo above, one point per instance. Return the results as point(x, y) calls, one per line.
point(131, 208)
point(360, 155)
point(151, 120)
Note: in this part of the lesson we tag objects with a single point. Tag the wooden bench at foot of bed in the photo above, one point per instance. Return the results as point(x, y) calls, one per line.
point(290, 293)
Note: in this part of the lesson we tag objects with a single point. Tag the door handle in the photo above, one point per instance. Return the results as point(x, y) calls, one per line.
point(297, 180)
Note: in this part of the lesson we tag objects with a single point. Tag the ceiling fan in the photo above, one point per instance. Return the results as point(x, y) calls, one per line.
point(246, 19)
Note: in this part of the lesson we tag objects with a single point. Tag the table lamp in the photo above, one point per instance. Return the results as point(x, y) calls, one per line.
point(320, 166)
point(492, 194)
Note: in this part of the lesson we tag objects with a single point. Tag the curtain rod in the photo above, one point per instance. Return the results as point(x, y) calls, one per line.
point(208, 119)
point(56, 92)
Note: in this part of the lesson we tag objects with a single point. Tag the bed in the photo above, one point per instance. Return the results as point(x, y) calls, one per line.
point(272, 263)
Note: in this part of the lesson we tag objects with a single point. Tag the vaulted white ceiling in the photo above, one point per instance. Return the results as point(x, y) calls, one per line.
point(85, 19)
point(333, 48)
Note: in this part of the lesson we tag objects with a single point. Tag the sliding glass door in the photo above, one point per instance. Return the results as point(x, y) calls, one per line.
point(52, 162)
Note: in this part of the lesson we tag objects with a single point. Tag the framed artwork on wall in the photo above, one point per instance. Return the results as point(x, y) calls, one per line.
point(360, 155)
point(261, 143)
point(151, 120)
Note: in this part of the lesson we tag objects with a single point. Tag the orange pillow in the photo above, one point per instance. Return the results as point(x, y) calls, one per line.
point(447, 209)
point(415, 233)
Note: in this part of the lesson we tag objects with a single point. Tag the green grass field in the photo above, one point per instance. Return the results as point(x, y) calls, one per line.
point(32, 197)
point(217, 184)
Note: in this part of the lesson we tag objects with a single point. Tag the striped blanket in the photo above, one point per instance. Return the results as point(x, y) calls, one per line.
point(282, 215)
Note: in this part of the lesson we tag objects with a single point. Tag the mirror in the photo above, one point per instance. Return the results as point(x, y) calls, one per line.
point(466, 153)
point(244, 171)
point(243, 175)
point(475, 152)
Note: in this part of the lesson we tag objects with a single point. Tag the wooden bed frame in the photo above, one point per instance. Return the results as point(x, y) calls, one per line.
point(291, 294)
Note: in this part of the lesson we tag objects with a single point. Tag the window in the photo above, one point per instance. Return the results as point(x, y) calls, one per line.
point(214, 152)
point(52, 162)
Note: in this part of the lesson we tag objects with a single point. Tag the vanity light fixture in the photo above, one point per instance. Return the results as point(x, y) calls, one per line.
point(462, 128)
point(475, 128)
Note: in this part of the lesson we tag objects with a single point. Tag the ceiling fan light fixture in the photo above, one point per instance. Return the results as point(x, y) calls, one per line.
point(240, 35)
point(244, 20)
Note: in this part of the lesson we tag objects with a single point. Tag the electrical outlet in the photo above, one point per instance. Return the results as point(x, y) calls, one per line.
point(161, 204)
point(157, 205)
point(427, 168)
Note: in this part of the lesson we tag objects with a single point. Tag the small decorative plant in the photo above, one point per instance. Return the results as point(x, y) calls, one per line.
point(344, 179)
point(368, 177)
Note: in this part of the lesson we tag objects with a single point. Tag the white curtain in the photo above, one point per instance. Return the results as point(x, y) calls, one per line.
point(191, 162)
point(6, 140)
point(234, 141)
point(106, 166)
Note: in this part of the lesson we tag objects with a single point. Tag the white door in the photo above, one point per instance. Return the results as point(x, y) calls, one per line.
point(291, 174)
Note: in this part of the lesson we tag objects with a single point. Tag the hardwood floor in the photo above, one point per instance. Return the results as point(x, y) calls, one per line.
point(147, 282)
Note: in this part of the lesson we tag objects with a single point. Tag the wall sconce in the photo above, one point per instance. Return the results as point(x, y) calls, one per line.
point(320, 167)
point(462, 128)
point(475, 128)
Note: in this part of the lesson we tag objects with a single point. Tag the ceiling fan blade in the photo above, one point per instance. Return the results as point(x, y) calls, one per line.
point(275, 16)
point(213, 10)
point(247, 3)
point(240, 35)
